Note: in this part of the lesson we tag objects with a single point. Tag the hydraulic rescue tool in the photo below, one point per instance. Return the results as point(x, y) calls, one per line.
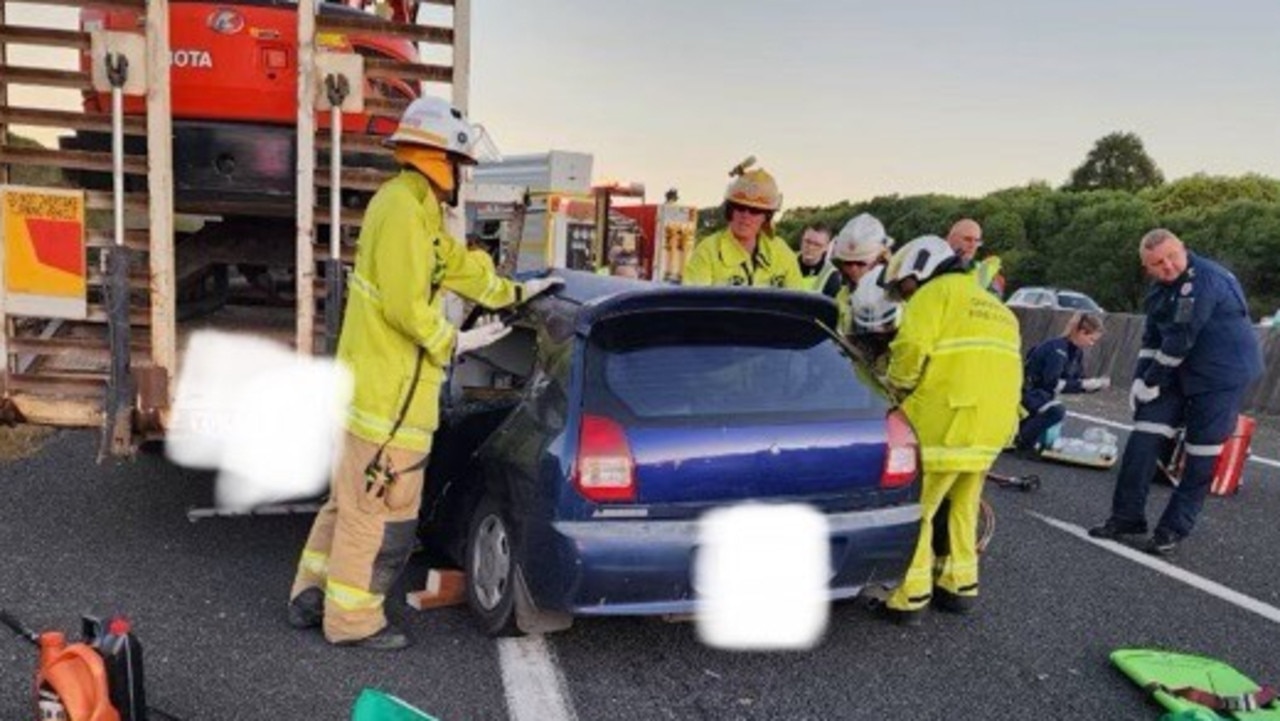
point(98, 678)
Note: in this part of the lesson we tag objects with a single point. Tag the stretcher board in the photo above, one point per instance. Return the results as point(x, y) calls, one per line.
point(1176, 670)
point(1100, 462)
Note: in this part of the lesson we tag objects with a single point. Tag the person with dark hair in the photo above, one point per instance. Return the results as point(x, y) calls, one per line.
point(820, 276)
point(1056, 366)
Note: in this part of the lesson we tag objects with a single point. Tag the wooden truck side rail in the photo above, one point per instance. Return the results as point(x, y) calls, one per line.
point(56, 370)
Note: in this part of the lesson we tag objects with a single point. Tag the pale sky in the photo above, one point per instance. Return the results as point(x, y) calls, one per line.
point(848, 99)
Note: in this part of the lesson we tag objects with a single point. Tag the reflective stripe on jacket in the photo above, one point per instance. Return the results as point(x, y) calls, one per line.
point(719, 259)
point(958, 356)
point(844, 310)
point(394, 308)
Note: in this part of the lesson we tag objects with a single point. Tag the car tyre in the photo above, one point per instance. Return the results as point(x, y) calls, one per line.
point(491, 569)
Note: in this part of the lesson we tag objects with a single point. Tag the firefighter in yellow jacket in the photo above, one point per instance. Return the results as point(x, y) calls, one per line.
point(746, 253)
point(397, 344)
point(957, 363)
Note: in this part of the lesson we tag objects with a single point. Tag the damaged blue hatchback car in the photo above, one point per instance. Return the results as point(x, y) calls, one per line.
point(576, 455)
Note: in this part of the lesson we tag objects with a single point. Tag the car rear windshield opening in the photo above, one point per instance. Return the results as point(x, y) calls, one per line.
point(694, 364)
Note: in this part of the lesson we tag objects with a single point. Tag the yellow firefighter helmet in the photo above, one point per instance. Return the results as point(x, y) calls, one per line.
point(753, 188)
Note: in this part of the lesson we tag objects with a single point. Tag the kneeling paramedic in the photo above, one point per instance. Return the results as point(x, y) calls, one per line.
point(1056, 366)
point(397, 344)
point(956, 362)
point(1199, 355)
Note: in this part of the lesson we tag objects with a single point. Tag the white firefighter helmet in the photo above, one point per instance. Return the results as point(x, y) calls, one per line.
point(436, 123)
point(873, 311)
point(920, 259)
point(862, 239)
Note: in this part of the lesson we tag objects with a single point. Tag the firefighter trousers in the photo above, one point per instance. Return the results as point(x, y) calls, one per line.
point(361, 539)
point(959, 572)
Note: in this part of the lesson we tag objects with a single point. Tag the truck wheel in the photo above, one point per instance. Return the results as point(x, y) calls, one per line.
point(491, 569)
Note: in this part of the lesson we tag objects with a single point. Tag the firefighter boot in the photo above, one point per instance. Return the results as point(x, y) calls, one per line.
point(306, 610)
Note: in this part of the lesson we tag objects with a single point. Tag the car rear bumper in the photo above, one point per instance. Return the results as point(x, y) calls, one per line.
point(638, 567)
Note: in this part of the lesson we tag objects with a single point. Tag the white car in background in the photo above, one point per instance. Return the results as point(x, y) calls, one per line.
point(1053, 298)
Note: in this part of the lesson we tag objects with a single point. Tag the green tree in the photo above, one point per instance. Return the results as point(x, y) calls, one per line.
point(1201, 193)
point(1046, 213)
point(793, 222)
point(1117, 162)
point(1243, 235)
point(1097, 251)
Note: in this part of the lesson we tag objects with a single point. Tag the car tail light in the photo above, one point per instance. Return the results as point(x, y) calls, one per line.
point(604, 471)
point(903, 452)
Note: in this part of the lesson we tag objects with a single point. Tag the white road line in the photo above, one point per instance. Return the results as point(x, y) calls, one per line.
point(1126, 427)
point(1213, 588)
point(534, 684)
point(1100, 421)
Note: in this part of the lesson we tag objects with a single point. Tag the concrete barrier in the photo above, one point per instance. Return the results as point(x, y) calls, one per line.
point(1117, 353)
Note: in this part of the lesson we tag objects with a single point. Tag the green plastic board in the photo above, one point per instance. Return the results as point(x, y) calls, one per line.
point(1177, 670)
point(374, 705)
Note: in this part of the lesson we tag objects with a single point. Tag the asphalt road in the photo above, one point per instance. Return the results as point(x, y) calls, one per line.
point(207, 600)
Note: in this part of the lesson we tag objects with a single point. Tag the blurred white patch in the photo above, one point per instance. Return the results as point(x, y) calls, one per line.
point(761, 573)
point(268, 419)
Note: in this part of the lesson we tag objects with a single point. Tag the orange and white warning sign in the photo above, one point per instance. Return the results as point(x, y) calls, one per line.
point(44, 255)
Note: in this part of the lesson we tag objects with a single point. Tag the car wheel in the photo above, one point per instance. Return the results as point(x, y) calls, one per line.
point(491, 570)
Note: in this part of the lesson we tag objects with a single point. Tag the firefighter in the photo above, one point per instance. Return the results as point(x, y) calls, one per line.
point(875, 318)
point(1199, 354)
point(396, 342)
point(860, 246)
point(1056, 366)
point(746, 253)
point(965, 238)
point(956, 362)
point(820, 276)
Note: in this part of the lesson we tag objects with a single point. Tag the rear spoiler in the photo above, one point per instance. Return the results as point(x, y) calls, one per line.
point(659, 298)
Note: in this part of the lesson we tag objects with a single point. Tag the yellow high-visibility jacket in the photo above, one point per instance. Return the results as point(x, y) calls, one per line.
point(719, 259)
point(394, 308)
point(958, 357)
point(987, 272)
point(844, 310)
point(819, 280)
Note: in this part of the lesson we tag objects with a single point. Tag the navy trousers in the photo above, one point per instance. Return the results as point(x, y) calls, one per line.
point(1209, 419)
point(1044, 411)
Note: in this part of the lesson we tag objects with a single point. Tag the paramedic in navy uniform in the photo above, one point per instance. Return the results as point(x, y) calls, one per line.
point(1199, 355)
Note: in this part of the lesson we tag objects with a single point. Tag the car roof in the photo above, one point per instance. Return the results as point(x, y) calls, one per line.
point(590, 297)
point(1052, 289)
